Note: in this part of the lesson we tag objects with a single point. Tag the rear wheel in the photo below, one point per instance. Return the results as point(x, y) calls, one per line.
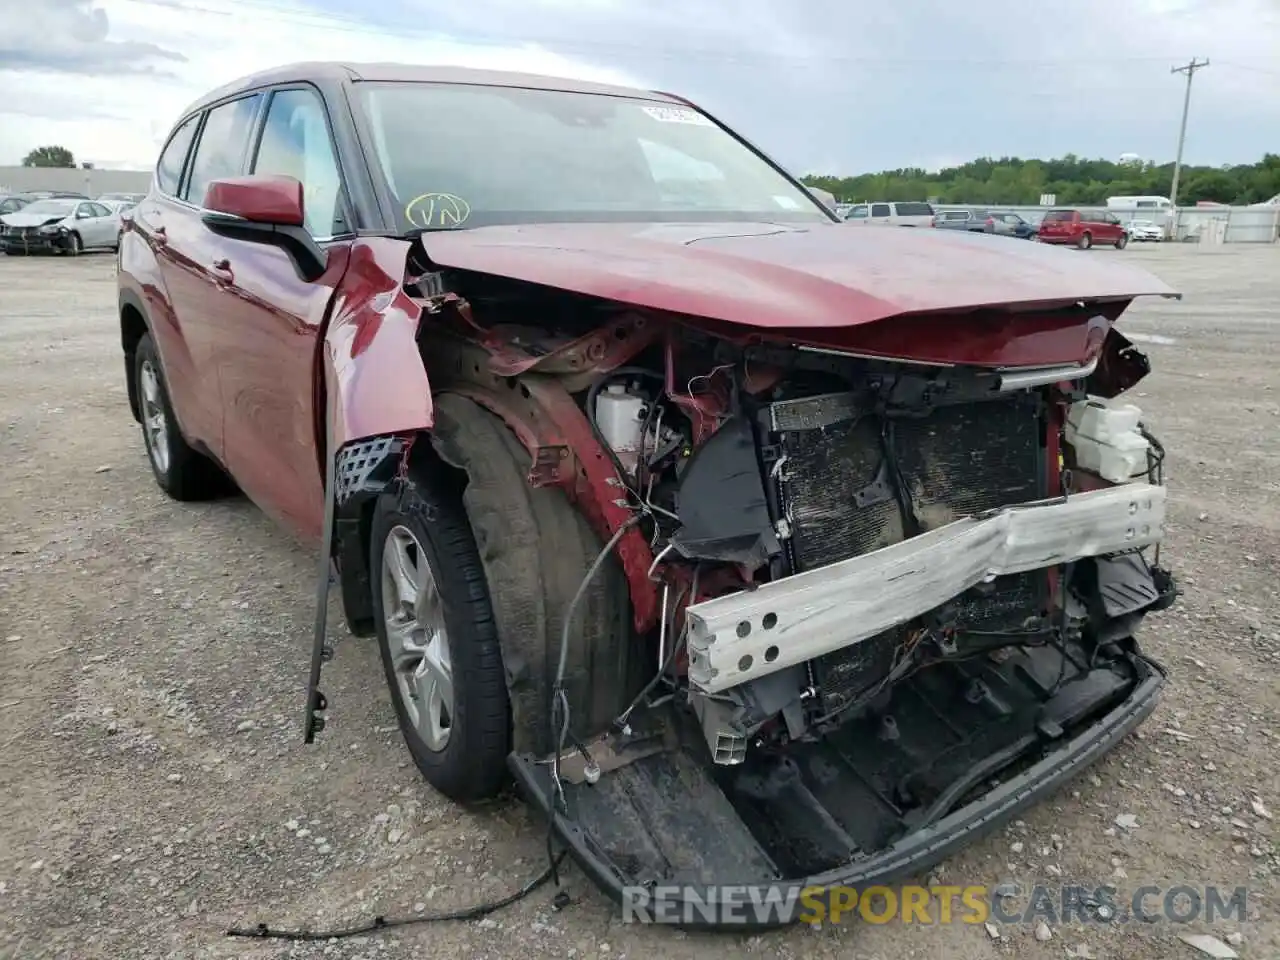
point(181, 471)
point(439, 640)
point(1086, 241)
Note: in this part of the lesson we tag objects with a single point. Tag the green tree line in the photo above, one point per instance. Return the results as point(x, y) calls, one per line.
point(1073, 180)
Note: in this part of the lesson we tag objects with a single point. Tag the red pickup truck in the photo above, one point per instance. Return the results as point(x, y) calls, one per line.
point(1083, 230)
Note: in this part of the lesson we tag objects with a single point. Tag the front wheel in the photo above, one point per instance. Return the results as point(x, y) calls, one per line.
point(75, 246)
point(1122, 242)
point(439, 640)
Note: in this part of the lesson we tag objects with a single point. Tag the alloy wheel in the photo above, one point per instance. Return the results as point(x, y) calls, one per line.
point(155, 421)
point(416, 637)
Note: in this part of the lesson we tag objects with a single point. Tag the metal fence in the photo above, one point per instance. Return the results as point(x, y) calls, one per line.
point(1243, 224)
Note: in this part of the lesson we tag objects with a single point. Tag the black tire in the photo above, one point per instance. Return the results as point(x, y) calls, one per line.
point(1086, 241)
point(77, 245)
point(471, 766)
point(185, 474)
point(1122, 242)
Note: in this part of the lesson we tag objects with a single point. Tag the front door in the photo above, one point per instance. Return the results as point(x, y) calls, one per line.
point(94, 224)
point(268, 350)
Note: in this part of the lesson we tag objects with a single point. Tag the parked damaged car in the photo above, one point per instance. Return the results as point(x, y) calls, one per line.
point(757, 550)
point(59, 225)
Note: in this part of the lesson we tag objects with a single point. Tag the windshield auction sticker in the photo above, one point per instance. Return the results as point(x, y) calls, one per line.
point(677, 115)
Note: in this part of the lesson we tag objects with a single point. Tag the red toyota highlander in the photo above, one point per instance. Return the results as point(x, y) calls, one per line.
point(758, 550)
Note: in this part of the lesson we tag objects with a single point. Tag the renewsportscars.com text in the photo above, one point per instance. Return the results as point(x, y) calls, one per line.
point(938, 904)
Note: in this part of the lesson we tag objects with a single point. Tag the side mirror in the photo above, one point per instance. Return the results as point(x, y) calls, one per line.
point(264, 209)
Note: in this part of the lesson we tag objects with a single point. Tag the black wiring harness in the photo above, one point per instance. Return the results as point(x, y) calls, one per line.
point(378, 924)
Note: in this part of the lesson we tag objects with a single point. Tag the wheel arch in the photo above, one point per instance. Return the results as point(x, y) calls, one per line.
point(134, 325)
point(531, 540)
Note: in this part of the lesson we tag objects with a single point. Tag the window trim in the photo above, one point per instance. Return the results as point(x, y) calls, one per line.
point(260, 127)
point(198, 117)
point(254, 120)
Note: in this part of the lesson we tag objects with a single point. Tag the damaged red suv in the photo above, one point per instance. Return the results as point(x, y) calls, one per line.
point(759, 551)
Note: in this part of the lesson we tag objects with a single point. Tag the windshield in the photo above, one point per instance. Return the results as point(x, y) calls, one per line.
point(463, 156)
point(50, 208)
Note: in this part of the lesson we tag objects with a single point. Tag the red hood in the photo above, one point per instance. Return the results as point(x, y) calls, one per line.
point(775, 276)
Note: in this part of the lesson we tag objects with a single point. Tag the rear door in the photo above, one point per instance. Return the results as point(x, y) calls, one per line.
point(195, 403)
point(188, 252)
point(269, 332)
point(913, 213)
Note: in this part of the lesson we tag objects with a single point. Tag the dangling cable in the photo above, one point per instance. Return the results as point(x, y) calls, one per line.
point(559, 732)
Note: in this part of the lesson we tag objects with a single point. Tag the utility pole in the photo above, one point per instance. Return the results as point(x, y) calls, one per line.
point(1190, 70)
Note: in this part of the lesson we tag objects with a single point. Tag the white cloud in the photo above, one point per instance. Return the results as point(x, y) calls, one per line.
point(841, 88)
point(121, 119)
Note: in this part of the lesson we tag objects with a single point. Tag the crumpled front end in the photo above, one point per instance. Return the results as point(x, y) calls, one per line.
point(881, 603)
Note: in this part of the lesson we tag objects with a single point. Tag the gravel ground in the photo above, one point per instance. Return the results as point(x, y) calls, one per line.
point(153, 656)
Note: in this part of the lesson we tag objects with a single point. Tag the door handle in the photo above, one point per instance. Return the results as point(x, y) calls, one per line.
point(221, 271)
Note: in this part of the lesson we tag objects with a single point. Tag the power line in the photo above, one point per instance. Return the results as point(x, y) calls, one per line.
point(1190, 70)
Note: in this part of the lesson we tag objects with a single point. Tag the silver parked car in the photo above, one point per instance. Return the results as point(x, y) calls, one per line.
point(1144, 230)
point(59, 225)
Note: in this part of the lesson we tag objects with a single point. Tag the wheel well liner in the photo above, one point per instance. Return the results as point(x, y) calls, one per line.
point(537, 547)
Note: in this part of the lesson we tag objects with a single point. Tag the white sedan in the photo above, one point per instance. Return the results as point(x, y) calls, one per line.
point(59, 225)
point(1144, 230)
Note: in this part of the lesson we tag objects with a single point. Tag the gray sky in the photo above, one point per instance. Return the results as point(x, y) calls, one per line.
point(846, 88)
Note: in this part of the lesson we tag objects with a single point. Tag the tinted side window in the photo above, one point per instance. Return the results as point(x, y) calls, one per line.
point(169, 169)
point(915, 210)
point(224, 141)
point(296, 143)
point(879, 209)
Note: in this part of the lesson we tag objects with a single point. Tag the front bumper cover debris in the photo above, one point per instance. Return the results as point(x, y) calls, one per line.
point(696, 907)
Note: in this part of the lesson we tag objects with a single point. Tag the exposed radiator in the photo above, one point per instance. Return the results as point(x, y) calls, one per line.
point(834, 487)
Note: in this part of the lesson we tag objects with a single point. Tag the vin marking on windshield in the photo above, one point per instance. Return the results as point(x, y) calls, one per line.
point(437, 210)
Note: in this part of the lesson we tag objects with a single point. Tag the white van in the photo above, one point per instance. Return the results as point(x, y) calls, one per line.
point(904, 214)
point(1139, 203)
